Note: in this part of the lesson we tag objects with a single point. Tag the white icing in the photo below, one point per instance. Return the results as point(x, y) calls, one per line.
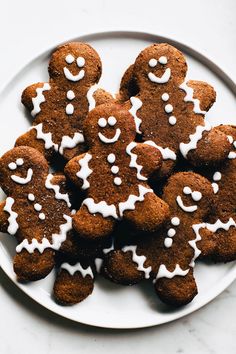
point(196, 196)
point(112, 121)
point(69, 59)
point(133, 161)
point(215, 187)
point(80, 62)
point(111, 158)
point(70, 95)
point(193, 243)
point(129, 204)
point(115, 169)
point(36, 101)
point(98, 264)
point(46, 137)
point(163, 272)
point(167, 154)
point(42, 216)
point(13, 225)
point(168, 242)
point(172, 120)
point(31, 197)
point(136, 105)
point(19, 162)
point(188, 209)
point(139, 260)
point(175, 221)
point(162, 60)
point(57, 239)
point(152, 63)
point(193, 139)
point(84, 171)
point(168, 108)
point(69, 109)
point(109, 249)
point(230, 138)
point(217, 176)
point(171, 232)
point(102, 122)
point(56, 189)
point(24, 180)
point(160, 80)
point(72, 269)
point(220, 225)
point(106, 140)
point(101, 208)
point(37, 206)
point(189, 98)
point(232, 155)
point(90, 98)
point(117, 181)
point(69, 143)
point(165, 97)
point(72, 77)
point(12, 166)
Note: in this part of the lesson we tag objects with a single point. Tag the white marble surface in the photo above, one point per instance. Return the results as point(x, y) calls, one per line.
point(28, 28)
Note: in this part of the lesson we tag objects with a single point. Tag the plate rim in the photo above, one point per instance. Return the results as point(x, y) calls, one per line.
point(220, 73)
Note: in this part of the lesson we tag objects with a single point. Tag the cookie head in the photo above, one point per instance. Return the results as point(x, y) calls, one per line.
point(189, 194)
point(21, 168)
point(109, 124)
point(159, 64)
point(76, 63)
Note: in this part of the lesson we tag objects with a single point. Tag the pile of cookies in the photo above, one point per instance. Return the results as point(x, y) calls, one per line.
point(142, 186)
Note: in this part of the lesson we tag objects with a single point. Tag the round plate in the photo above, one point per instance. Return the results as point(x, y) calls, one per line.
point(110, 305)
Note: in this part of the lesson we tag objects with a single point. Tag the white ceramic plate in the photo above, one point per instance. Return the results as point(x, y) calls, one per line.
point(110, 305)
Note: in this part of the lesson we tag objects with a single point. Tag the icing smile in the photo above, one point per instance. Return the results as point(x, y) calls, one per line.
point(160, 80)
point(189, 209)
point(106, 140)
point(22, 180)
point(72, 77)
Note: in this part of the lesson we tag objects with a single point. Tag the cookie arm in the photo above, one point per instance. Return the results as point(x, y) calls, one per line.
point(204, 92)
point(31, 92)
point(78, 171)
point(148, 157)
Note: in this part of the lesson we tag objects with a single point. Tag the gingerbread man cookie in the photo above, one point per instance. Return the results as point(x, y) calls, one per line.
point(223, 217)
point(36, 211)
point(60, 106)
point(168, 255)
point(169, 111)
point(114, 174)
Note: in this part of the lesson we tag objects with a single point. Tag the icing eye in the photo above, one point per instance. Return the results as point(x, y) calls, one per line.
point(70, 59)
point(19, 162)
point(187, 190)
point(80, 62)
point(196, 196)
point(102, 122)
point(112, 121)
point(152, 63)
point(162, 60)
point(12, 166)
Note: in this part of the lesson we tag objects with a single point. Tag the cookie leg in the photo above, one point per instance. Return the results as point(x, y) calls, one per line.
point(33, 266)
point(177, 291)
point(71, 288)
point(119, 268)
point(149, 214)
point(92, 226)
